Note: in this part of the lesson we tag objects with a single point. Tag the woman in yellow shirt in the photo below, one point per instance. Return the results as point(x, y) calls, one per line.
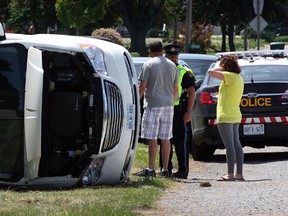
point(228, 113)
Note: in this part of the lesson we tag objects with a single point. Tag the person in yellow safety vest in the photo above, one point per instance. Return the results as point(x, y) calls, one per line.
point(182, 114)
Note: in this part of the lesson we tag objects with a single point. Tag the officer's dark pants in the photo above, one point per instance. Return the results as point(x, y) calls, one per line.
point(181, 140)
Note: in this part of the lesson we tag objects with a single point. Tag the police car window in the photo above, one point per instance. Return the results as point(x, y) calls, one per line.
point(265, 73)
point(260, 73)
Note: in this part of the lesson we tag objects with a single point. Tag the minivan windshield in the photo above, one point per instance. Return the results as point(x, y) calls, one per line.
point(12, 85)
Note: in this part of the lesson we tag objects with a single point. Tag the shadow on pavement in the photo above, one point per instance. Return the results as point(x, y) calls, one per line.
point(254, 158)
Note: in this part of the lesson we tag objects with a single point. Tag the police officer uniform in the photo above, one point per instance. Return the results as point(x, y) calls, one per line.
point(181, 131)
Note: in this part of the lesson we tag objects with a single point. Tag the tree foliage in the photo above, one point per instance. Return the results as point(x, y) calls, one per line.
point(275, 11)
point(226, 14)
point(138, 17)
point(112, 16)
point(4, 10)
point(79, 13)
point(170, 13)
point(24, 13)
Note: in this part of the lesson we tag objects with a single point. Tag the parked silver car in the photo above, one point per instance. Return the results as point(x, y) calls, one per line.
point(199, 63)
point(139, 61)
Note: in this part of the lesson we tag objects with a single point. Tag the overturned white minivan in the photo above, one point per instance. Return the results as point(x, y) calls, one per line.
point(69, 111)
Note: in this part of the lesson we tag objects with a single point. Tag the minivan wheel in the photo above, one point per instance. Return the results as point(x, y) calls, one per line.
point(202, 152)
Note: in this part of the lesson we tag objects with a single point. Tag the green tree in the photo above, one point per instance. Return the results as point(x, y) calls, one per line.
point(24, 13)
point(78, 14)
point(4, 12)
point(111, 19)
point(50, 18)
point(226, 14)
point(171, 15)
point(275, 11)
point(138, 17)
point(112, 16)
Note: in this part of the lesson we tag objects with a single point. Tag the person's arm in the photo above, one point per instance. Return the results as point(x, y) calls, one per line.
point(175, 91)
point(190, 104)
point(216, 73)
point(142, 87)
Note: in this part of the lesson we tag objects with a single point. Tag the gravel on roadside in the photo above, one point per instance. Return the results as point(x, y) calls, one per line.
point(264, 193)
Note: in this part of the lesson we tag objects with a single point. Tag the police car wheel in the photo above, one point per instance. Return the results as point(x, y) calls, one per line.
point(202, 152)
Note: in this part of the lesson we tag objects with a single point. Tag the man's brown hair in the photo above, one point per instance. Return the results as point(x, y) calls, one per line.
point(156, 46)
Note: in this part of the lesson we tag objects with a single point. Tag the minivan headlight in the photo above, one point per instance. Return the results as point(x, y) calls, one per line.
point(93, 172)
point(96, 57)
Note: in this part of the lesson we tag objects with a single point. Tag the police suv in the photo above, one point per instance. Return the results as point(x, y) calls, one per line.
point(264, 104)
point(69, 111)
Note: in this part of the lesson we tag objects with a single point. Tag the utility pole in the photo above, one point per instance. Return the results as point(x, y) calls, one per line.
point(258, 25)
point(188, 24)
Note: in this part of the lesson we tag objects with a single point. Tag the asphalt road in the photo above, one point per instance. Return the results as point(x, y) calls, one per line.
point(264, 193)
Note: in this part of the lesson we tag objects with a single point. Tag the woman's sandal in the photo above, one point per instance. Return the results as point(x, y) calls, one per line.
point(225, 178)
point(239, 179)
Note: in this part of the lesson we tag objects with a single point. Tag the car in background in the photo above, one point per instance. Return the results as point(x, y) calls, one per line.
point(69, 111)
point(199, 63)
point(264, 104)
point(139, 61)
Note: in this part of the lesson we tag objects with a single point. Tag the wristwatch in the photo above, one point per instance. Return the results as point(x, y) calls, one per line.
point(190, 111)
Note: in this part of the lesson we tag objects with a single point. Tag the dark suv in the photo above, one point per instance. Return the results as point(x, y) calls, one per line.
point(264, 104)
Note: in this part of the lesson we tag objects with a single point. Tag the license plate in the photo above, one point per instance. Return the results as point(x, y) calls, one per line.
point(253, 129)
point(130, 116)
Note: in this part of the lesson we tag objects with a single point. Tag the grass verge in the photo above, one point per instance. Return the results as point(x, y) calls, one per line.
point(129, 198)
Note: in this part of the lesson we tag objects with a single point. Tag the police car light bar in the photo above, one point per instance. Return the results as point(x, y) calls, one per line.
point(255, 53)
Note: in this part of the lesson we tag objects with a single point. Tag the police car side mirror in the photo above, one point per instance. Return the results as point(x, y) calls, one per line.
point(2, 32)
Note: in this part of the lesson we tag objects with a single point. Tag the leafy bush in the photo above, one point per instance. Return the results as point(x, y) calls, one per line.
point(108, 34)
point(281, 38)
point(268, 36)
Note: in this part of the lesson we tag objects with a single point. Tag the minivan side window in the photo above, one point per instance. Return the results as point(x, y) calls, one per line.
point(12, 89)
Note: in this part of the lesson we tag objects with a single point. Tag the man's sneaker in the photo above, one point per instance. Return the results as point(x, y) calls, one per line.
point(165, 174)
point(179, 175)
point(146, 172)
point(170, 172)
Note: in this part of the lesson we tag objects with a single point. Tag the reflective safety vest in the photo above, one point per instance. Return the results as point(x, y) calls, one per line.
point(182, 71)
